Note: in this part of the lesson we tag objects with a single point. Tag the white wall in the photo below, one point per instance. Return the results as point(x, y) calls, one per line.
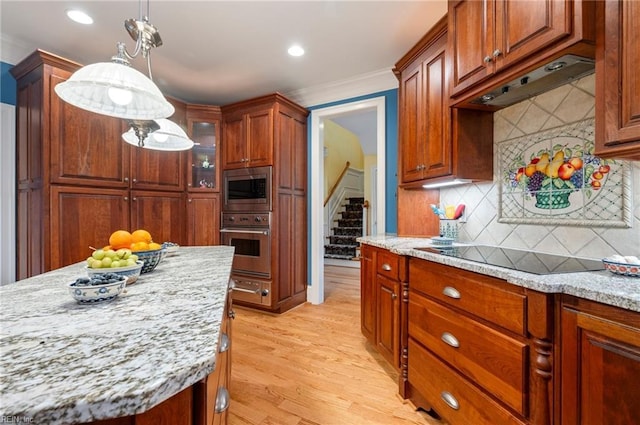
point(563, 105)
point(7, 194)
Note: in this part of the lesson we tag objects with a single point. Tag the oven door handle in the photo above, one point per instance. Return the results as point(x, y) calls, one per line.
point(255, 232)
point(248, 291)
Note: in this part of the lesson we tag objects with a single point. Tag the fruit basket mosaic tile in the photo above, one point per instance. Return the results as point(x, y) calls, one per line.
point(553, 177)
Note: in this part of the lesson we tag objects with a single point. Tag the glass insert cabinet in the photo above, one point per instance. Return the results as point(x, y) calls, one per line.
point(204, 129)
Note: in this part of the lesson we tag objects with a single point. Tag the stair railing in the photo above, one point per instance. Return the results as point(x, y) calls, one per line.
point(337, 183)
point(365, 218)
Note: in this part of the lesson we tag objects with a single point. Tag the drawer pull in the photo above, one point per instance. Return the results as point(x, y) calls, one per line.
point(449, 339)
point(224, 343)
point(222, 400)
point(451, 292)
point(451, 401)
point(386, 267)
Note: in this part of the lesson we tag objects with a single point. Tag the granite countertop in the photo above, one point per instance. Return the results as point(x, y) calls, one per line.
point(601, 286)
point(62, 362)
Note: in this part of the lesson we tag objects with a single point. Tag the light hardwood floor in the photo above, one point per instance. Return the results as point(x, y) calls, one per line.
point(312, 366)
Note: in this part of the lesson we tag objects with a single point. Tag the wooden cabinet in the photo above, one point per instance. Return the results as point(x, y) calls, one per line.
point(367, 293)
point(203, 219)
point(381, 281)
point(203, 123)
point(157, 170)
point(618, 80)
point(211, 395)
point(478, 349)
point(435, 141)
point(159, 212)
point(489, 37)
point(248, 135)
point(272, 131)
point(600, 363)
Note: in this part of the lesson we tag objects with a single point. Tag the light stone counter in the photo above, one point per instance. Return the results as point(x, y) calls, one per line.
point(62, 362)
point(601, 286)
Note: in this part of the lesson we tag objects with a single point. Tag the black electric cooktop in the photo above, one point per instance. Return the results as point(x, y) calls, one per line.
point(525, 261)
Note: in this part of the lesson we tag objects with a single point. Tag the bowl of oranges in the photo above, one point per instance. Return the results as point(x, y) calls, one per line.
point(141, 245)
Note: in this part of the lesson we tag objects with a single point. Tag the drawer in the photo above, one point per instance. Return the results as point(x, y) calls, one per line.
point(452, 397)
point(477, 294)
point(487, 357)
point(388, 265)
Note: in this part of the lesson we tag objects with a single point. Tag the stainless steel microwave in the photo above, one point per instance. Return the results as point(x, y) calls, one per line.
point(247, 189)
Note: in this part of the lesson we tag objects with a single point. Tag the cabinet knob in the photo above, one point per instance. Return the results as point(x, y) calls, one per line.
point(386, 267)
point(451, 292)
point(134, 199)
point(487, 59)
point(190, 200)
point(126, 198)
point(126, 179)
point(222, 400)
point(225, 343)
point(496, 53)
point(135, 180)
point(394, 296)
point(449, 339)
point(450, 400)
point(232, 314)
point(189, 184)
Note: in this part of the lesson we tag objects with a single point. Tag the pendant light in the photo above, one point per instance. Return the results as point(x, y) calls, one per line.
point(161, 134)
point(115, 89)
point(118, 90)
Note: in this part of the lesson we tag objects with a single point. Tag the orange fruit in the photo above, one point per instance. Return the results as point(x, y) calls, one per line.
point(140, 235)
point(139, 246)
point(154, 246)
point(120, 239)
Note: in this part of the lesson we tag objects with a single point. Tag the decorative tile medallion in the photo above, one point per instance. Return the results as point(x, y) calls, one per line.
point(553, 177)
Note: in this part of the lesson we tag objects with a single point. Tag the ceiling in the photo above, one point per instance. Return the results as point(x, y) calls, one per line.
point(220, 52)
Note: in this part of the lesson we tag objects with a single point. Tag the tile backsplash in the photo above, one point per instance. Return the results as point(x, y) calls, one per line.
point(563, 105)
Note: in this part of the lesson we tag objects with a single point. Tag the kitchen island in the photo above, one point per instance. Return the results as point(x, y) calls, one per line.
point(62, 362)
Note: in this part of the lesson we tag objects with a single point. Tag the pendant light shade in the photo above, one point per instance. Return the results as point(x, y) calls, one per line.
point(168, 137)
point(117, 90)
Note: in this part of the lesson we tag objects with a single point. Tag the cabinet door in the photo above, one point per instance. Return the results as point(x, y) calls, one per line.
point(160, 213)
point(157, 170)
point(367, 293)
point(437, 138)
point(203, 219)
point(234, 149)
point(86, 148)
point(388, 316)
point(600, 367)
point(259, 137)
point(203, 164)
point(411, 123)
point(83, 217)
point(470, 41)
point(618, 80)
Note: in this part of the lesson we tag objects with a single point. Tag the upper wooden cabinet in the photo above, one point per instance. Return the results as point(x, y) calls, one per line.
point(203, 124)
point(435, 141)
point(248, 134)
point(618, 80)
point(491, 37)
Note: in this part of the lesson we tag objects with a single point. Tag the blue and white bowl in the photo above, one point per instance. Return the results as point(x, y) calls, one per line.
point(151, 259)
point(93, 294)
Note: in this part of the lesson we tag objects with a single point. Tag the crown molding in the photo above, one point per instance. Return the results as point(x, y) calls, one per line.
point(360, 85)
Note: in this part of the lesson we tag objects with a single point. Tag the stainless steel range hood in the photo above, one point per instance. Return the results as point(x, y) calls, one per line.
point(561, 71)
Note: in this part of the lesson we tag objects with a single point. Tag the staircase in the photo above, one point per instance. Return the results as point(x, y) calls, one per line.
point(342, 241)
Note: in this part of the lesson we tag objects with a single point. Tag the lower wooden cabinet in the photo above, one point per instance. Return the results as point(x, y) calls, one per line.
point(478, 349)
point(203, 219)
point(382, 274)
point(600, 364)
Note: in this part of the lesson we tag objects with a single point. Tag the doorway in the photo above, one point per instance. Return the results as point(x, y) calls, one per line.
point(315, 292)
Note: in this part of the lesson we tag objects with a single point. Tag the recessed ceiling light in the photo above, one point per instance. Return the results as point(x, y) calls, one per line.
point(79, 17)
point(296, 50)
